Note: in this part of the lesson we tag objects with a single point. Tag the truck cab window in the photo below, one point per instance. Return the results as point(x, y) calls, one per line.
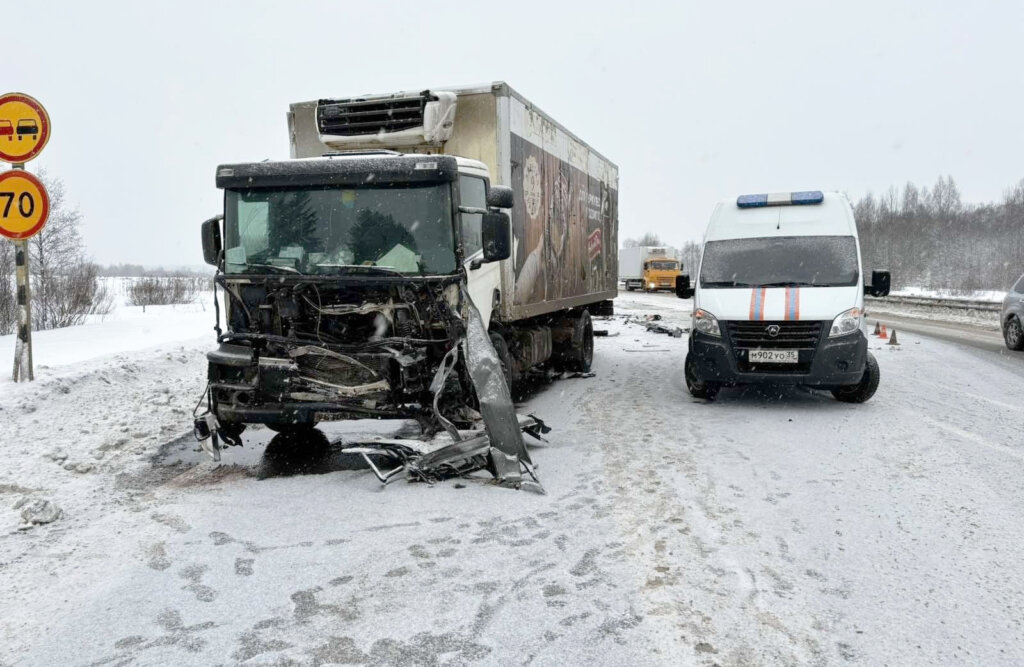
point(473, 193)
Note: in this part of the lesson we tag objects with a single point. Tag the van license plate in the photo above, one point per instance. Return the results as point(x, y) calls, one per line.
point(773, 356)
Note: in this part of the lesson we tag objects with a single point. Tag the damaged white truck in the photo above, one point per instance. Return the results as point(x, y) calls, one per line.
point(374, 274)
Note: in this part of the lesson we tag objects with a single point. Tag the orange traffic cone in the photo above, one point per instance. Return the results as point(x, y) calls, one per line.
point(892, 339)
point(878, 328)
point(883, 335)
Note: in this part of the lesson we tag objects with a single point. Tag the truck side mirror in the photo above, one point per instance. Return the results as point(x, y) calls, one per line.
point(496, 232)
point(880, 283)
point(500, 196)
point(683, 289)
point(211, 240)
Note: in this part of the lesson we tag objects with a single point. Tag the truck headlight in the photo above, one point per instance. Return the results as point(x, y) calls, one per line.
point(706, 323)
point(846, 323)
point(651, 285)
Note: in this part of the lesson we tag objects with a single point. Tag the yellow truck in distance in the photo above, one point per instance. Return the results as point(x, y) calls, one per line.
point(648, 268)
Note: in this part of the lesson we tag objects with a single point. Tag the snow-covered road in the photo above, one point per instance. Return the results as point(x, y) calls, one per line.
point(769, 527)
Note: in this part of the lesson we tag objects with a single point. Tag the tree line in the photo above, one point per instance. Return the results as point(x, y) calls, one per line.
point(927, 237)
point(65, 285)
point(930, 238)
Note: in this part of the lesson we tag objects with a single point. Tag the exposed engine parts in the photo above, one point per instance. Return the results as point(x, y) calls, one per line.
point(303, 352)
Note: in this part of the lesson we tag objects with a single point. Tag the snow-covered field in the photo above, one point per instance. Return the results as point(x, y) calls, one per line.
point(770, 527)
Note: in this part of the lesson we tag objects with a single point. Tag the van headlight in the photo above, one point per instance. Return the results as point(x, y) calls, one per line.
point(846, 323)
point(706, 323)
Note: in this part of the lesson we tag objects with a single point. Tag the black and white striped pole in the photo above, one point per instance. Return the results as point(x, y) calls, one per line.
point(23, 368)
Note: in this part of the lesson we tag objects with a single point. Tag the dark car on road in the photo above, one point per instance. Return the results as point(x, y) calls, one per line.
point(1012, 317)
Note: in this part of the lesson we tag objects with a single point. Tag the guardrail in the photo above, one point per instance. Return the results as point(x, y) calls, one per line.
point(967, 305)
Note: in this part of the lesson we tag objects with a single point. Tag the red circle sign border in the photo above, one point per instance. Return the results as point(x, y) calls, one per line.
point(44, 130)
point(34, 229)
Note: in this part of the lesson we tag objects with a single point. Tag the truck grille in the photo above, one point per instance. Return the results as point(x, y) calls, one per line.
point(355, 117)
point(801, 336)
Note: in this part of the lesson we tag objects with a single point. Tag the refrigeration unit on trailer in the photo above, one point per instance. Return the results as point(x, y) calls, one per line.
point(779, 298)
point(354, 271)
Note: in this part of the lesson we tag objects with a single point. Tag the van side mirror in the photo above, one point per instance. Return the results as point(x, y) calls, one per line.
point(500, 196)
point(683, 289)
point(496, 233)
point(211, 240)
point(880, 283)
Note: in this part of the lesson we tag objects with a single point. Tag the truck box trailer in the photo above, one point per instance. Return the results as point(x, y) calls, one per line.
point(565, 215)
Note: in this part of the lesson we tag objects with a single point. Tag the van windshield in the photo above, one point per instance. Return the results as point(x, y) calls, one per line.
point(782, 261)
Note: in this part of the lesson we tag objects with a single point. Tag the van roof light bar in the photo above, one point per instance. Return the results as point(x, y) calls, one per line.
point(781, 199)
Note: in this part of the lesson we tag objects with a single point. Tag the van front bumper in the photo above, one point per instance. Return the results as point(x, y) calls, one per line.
point(834, 362)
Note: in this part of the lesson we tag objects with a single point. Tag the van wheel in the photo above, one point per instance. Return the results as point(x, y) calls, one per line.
point(703, 390)
point(863, 390)
point(1013, 334)
point(505, 356)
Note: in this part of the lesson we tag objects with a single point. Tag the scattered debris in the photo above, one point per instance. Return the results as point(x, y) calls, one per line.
point(37, 512)
point(675, 332)
point(604, 333)
point(578, 376)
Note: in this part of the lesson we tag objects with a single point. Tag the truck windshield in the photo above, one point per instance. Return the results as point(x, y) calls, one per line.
point(664, 266)
point(787, 261)
point(405, 229)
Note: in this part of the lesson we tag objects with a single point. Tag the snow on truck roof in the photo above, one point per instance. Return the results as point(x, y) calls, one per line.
point(807, 213)
point(345, 169)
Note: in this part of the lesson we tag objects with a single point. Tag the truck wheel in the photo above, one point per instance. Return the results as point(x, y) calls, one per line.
point(575, 352)
point(698, 389)
point(507, 367)
point(863, 390)
point(1013, 334)
point(291, 428)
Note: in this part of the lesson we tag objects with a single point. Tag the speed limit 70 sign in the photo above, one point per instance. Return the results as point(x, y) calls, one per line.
point(24, 205)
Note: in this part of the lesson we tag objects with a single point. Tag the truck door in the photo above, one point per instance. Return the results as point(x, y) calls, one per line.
point(484, 279)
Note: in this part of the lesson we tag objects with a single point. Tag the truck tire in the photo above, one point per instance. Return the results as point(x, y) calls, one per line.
point(508, 368)
point(1013, 333)
point(863, 390)
point(291, 428)
point(577, 355)
point(703, 390)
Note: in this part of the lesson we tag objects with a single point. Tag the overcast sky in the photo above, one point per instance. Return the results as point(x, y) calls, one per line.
point(695, 101)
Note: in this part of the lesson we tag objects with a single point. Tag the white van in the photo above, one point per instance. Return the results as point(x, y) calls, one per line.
point(779, 298)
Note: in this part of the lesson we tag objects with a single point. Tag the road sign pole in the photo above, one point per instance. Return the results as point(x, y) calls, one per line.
point(23, 369)
point(24, 207)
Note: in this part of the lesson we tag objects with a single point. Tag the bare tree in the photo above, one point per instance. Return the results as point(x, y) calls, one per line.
point(647, 240)
point(8, 303)
point(65, 286)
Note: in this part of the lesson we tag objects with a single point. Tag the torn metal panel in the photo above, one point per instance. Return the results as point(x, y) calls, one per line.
point(494, 396)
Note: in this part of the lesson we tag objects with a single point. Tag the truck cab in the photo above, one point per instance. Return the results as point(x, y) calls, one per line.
point(660, 274)
point(779, 298)
point(343, 277)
